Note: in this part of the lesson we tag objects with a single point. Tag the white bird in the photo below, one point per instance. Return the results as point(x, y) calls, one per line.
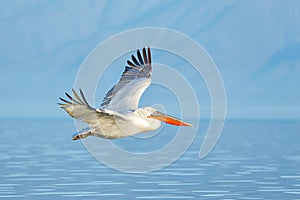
point(119, 115)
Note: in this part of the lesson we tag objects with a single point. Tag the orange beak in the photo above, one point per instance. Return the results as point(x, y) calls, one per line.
point(168, 119)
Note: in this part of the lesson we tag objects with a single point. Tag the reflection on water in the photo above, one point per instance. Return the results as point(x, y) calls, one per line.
point(253, 160)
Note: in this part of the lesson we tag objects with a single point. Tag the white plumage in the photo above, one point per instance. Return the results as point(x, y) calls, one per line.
point(119, 115)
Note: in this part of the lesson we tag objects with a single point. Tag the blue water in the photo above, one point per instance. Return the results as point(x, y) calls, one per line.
point(252, 160)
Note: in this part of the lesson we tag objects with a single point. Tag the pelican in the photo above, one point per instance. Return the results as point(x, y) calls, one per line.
point(119, 115)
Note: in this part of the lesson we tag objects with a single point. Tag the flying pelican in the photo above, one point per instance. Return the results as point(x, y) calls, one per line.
point(119, 115)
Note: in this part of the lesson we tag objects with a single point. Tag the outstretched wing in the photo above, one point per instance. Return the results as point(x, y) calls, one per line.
point(79, 108)
point(125, 95)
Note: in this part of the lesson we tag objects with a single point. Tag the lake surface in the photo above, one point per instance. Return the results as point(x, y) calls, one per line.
point(252, 160)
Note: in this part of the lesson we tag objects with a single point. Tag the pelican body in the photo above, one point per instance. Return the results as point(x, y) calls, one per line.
point(119, 115)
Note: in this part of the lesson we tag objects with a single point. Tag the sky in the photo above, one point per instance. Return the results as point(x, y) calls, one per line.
point(255, 45)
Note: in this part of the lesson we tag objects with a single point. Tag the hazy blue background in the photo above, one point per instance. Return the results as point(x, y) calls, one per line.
point(255, 44)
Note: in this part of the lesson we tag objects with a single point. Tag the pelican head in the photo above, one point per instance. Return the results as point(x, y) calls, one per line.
point(155, 118)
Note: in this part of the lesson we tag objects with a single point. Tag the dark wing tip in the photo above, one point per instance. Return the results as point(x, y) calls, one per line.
point(135, 60)
point(149, 57)
point(68, 102)
point(76, 100)
point(145, 56)
point(68, 95)
point(84, 99)
point(138, 67)
point(140, 57)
